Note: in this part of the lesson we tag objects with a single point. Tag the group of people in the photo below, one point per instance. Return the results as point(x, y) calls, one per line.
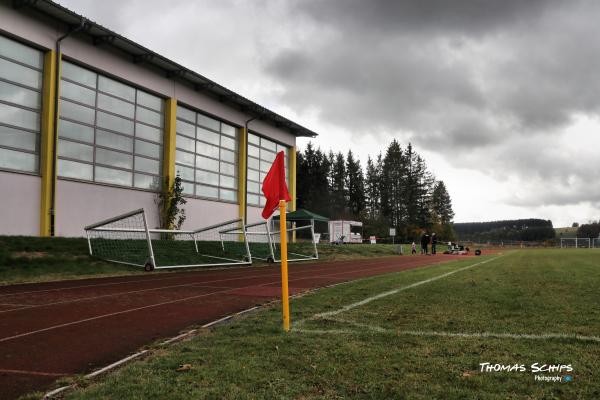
point(426, 240)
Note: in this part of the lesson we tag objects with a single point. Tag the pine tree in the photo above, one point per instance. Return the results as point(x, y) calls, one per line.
point(355, 184)
point(339, 191)
point(392, 185)
point(441, 204)
point(373, 189)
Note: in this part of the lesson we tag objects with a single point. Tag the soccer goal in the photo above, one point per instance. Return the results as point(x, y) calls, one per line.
point(265, 244)
point(127, 239)
point(596, 243)
point(575, 243)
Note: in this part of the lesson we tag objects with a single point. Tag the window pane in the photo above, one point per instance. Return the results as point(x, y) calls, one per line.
point(20, 52)
point(228, 142)
point(265, 166)
point(147, 149)
point(282, 148)
point(147, 116)
point(253, 151)
point(184, 158)
point(266, 155)
point(228, 129)
point(253, 175)
point(267, 144)
point(78, 93)
point(252, 138)
point(115, 176)
point(188, 187)
point(20, 74)
point(207, 191)
point(208, 136)
point(253, 163)
point(113, 158)
point(114, 123)
point(71, 130)
point(207, 150)
point(78, 74)
point(19, 117)
point(77, 151)
point(254, 187)
point(227, 168)
point(146, 181)
point(19, 95)
point(148, 132)
point(71, 169)
point(116, 106)
point(18, 160)
point(228, 156)
point(185, 173)
point(207, 163)
point(76, 112)
point(186, 114)
point(114, 141)
point(185, 128)
point(208, 122)
point(185, 143)
point(253, 199)
point(116, 88)
point(207, 177)
point(150, 101)
point(147, 165)
point(228, 195)
point(19, 139)
point(228, 182)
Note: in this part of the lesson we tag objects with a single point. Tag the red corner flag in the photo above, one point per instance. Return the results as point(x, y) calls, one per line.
point(274, 187)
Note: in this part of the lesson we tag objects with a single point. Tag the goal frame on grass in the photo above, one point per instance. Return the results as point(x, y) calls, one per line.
point(260, 233)
point(144, 236)
point(577, 243)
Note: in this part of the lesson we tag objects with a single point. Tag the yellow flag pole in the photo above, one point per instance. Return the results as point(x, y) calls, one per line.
point(285, 301)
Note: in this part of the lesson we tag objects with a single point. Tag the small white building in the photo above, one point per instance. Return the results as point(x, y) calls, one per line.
point(345, 231)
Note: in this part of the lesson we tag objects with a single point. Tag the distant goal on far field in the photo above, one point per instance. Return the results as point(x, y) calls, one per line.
point(127, 239)
point(578, 243)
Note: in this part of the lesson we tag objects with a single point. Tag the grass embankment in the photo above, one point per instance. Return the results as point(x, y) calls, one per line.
point(35, 259)
point(385, 349)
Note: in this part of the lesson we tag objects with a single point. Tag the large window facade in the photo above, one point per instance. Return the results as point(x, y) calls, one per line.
point(20, 105)
point(261, 154)
point(207, 156)
point(109, 132)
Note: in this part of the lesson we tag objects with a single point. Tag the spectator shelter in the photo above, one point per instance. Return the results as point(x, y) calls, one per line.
point(302, 217)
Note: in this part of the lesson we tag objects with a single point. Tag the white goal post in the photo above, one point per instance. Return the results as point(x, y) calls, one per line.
point(127, 239)
point(576, 243)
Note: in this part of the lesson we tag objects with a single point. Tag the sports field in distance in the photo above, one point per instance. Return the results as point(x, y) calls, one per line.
point(419, 334)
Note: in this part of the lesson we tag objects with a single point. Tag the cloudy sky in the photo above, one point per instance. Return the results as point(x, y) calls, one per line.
point(501, 97)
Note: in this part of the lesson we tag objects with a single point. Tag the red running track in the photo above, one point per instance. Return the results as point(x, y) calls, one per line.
point(56, 329)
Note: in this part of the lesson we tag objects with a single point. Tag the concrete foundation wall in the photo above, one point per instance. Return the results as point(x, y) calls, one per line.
point(19, 204)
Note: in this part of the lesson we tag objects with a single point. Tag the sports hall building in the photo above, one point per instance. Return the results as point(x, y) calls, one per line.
point(93, 125)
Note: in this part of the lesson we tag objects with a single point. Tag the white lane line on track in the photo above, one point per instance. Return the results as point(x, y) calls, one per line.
point(5, 339)
point(32, 306)
point(37, 373)
point(394, 291)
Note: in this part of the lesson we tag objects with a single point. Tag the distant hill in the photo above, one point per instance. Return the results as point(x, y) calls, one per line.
point(516, 229)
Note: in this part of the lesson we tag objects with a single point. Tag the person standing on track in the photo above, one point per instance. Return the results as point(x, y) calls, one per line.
point(413, 248)
point(424, 243)
point(433, 243)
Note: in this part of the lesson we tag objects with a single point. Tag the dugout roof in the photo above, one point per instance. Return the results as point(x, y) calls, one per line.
point(303, 215)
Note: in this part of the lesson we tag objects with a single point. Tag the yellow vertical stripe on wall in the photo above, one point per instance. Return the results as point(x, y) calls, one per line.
point(47, 154)
point(242, 179)
point(169, 143)
point(292, 161)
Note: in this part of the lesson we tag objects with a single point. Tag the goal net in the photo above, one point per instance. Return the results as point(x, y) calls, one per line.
point(596, 243)
point(265, 244)
point(575, 243)
point(127, 239)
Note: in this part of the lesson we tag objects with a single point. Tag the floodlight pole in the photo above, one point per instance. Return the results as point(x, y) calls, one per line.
point(285, 301)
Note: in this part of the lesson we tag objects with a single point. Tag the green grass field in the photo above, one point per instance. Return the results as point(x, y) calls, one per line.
point(423, 337)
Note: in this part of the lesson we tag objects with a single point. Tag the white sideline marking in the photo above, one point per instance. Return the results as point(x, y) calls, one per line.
point(479, 335)
point(394, 291)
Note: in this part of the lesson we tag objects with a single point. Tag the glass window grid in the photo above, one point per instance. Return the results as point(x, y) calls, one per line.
point(218, 191)
point(37, 67)
point(263, 147)
point(132, 172)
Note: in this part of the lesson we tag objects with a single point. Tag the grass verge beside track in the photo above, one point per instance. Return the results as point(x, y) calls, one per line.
point(394, 346)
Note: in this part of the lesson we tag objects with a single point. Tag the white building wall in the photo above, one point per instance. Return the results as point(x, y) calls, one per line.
point(78, 203)
point(19, 204)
